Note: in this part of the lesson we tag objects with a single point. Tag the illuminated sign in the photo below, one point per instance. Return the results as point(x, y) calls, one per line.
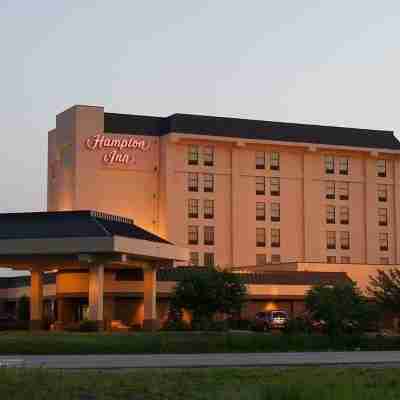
point(118, 150)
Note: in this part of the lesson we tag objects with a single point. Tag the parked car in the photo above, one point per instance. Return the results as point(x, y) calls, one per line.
point(266, 320)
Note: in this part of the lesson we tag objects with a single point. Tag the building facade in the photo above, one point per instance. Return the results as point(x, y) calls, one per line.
point(235, 192)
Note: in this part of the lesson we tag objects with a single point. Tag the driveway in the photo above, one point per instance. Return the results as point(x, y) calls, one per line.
point(110, 361)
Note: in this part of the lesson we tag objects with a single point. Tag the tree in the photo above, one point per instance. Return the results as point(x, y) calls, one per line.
point(205, 292)
point(385, 287)
point(341, 306)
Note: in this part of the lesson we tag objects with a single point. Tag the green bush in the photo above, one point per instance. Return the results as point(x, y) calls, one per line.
point(88, 326)
point(175, 325)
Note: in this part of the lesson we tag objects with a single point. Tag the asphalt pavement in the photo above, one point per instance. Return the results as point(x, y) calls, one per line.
point(126, 361)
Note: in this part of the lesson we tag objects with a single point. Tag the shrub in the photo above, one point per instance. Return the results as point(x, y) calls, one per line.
point(175, 325)
point(23, 309)
point(88, 326)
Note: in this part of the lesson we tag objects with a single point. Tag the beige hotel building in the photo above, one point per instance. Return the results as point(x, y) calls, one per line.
point(283, 203)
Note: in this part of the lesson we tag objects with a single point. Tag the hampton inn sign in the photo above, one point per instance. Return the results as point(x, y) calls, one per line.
point(118, 150)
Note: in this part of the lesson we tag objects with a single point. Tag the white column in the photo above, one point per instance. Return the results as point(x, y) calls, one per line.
point(36, 299)
point(150, 321)
point(96, 293)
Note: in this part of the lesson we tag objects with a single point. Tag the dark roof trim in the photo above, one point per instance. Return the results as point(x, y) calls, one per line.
point(249, 129)
point(67, 224)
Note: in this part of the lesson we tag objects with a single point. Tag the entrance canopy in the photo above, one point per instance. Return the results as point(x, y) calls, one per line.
point(86, 240)
point(72, 238)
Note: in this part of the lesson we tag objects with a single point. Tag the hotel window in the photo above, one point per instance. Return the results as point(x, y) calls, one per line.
point(343, 190)
point(330, 190)
point(382, 216)
point(331, 260)
point(331, 240)
point(208, 209)
point(330, 215)
point(329, 165)
point(260, 185)
point(343, 166)
point(274, 161)
point(193, 234)
point(209, 259)
point(260, 237)
point(382, 193)
point(260, 211)
point(275, 186)
point(260, 160)
point(193, 155)
point(381, 168)
point(208, 156)
point(194, 258)
point(193, 208)
point(345, 260)
point(193, 182)
point(209, 235)
point(384, 260)
point(275, 237)
point(383, 241)
point(275, 258)
point(345, 240)
point(261, 259)
point(208, 182)
point(275, 212)
point(344, 215)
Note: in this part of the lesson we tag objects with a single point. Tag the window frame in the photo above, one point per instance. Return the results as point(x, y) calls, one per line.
point(275, 259)
point(383, 241)
point(261, 234)
point(258, 256)
point(208, 205)
point(344, 215)
point(260, 156)
point(277, 183)
point(382, 188)
point(329, 164)
point(275, 237)
point(345, 240)
point(344, 191)
point(383, 219)
point(381, 170)
point(330, 214)
point(193, 208)
point(274, 161)
point(343, 161)
point(209, 235)
point(328, 193)
point(208, 156)
point(331, 241)
point(260, 185)
point(193, 234)
point(275, 209)
point(197, 257)
point(193, 160)
point(208, 183)
point(260, 206)
point(331, 260)
point(193, 177)
point(209, 255)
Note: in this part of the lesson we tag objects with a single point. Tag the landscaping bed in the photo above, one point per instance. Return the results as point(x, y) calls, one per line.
point(234, 384)
point(183, 342)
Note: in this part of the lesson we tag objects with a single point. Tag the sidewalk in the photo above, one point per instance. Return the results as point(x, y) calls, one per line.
point(110, 361)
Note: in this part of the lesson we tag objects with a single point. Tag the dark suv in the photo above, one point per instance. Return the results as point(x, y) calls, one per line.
point(266, 320)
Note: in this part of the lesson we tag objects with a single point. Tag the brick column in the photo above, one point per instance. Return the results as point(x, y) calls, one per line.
point(36, 300)
point(150, 322)
point(96, 294)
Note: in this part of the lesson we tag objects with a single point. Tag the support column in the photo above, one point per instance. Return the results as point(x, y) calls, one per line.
point(150, 322)
point(96, 294)
point(36, 299)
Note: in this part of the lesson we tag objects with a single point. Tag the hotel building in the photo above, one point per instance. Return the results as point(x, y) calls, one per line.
point(297, 204)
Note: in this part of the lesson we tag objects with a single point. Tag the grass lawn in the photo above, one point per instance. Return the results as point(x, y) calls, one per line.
point(231, 384)
point(180, 342)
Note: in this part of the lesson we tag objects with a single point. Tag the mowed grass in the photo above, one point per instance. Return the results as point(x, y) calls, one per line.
point(181, 342)
point(195, 384)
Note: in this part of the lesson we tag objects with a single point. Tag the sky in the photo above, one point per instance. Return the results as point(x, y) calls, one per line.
point(326, 62)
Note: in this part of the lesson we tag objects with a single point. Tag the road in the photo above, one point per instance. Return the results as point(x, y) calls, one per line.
point(110, 361)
